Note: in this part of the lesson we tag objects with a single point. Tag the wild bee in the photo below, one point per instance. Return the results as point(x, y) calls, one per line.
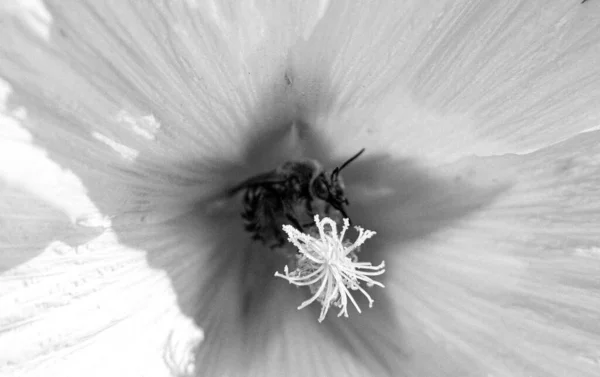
point(290, 194)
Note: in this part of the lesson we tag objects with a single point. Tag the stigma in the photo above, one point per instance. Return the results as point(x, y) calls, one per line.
point(329, 266)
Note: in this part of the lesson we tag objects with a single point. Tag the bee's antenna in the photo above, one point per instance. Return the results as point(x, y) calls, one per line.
point(351, 159)
point(337, 170)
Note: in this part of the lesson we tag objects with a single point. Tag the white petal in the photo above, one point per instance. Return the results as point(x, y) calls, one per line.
point(113, 305)
point(510, 290)
point(448, 79)
point(163, 92)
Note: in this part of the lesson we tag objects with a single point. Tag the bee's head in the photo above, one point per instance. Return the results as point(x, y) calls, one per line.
point(331, 188)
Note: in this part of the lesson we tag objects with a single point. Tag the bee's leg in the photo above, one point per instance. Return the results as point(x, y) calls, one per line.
point(278, 234)
point(309, 208)
point(309, 225)
point(294, 221)
point(274, 207)
point(255, 229)
point(327, 208)
point(295, 184)
point(308, 205)
point(249, 215)
point(251, 199)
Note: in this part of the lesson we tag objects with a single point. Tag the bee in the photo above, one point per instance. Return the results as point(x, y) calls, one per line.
point(290, 194)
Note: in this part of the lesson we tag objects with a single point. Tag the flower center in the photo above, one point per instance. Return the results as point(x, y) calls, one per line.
point(285, 206)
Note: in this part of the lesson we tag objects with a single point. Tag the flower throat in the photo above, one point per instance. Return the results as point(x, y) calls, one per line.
point(299, 193)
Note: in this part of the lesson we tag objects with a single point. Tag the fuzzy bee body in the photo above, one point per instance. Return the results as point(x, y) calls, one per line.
point(292, 193)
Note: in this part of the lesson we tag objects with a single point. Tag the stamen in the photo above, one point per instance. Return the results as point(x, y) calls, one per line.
point(329, 266)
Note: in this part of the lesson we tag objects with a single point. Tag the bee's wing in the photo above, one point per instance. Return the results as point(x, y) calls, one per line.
point(267, 178)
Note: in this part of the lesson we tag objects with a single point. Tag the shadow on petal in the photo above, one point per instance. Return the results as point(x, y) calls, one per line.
point(29, 225)
point(403, 201)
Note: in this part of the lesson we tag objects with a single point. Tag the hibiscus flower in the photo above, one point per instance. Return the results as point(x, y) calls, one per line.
point(123, 123)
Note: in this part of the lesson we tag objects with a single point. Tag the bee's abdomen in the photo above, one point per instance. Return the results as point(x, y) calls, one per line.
point(261, 214)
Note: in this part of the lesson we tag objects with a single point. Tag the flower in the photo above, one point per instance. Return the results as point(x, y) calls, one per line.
point(123, 122)
point(329, 266)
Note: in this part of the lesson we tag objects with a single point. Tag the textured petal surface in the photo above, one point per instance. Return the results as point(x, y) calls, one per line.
point(444, 79)
point(97, 309)
point(511, 290)
point(161, 92)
